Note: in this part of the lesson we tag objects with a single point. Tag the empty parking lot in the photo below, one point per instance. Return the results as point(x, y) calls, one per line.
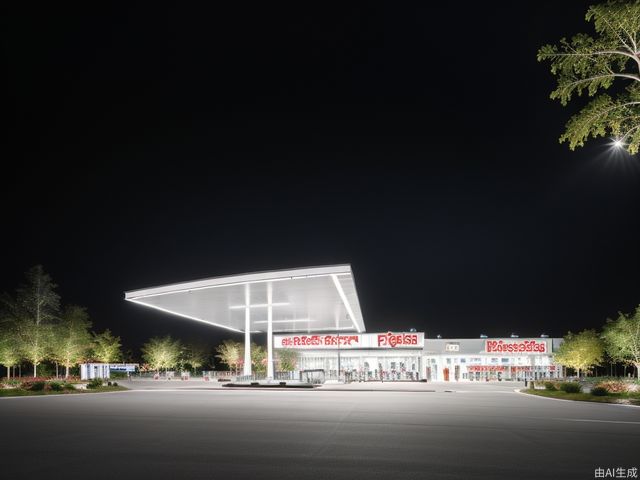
point(471, 432)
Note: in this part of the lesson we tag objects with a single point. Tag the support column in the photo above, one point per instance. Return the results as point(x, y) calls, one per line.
point(247, 332)
point(269, 331)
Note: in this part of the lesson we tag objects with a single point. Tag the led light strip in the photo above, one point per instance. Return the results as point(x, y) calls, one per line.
point(336, 282)
point(204, 287)
point(328, 330)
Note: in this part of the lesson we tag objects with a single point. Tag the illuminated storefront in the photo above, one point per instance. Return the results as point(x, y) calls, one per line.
point(359, 357)
point(482, 359)
point(408, 356)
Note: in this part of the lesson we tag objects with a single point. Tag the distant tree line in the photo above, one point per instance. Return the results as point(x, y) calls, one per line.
point(231, 353)
point(619, 342)
point(167, 353)
point(36, 328)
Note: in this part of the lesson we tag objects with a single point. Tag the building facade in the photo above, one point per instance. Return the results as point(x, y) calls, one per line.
point(477, 359)
point(358, 356)
point(394, 356)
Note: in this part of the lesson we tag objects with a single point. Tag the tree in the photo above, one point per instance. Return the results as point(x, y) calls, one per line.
point(580, 351)
point(72, 337)
point(589, 64)
point(195, 356)
point(622, 339)
point(106, 347)
point(33, 312)
point(162, 353)
point(9, 351)
point(258, 358)
point(287, 360)
point(231, 353)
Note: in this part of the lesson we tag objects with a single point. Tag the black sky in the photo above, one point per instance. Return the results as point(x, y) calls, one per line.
point(152, 144)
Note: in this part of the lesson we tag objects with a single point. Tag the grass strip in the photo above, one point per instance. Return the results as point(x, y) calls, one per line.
point(620, 398)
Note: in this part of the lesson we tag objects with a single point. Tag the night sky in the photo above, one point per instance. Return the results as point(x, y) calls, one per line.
point(152, 145)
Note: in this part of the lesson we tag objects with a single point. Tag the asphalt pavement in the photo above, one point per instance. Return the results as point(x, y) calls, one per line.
point(468, 432)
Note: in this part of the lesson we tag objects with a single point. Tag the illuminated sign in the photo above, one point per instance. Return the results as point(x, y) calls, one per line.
point(295, 341)
point(349, 341)
point(515, 346)
point(397, 339)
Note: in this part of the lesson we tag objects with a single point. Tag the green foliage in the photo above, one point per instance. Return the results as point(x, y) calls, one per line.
point(95, 383)
point(162, 353)
point(599, 391)
point(622, 339)
point(195, 356)
point(586, 65)
point(571, 387)
point(106, 347)
point(287, 360)
point(32, 314)
point(231, 353)
point(258, 358)
point(56, 386)
point(10, 353)
point(550, 386)
point(580, 351)
point(37, 386)
point(72, 339)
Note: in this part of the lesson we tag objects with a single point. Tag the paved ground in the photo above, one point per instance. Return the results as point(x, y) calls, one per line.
point(478, 431)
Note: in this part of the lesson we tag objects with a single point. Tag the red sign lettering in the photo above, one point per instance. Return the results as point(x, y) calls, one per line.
point(394, 339)
point(522, 346)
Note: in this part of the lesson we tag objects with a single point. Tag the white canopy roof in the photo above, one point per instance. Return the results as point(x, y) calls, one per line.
point(303, 300)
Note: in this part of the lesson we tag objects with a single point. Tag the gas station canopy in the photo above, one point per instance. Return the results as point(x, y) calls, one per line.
point(300, 300)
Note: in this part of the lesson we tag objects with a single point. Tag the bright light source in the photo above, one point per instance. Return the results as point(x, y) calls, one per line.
point(618, 143)
point(259, 305)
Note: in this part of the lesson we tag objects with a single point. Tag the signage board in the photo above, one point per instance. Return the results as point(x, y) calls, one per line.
point(350, 340)
point(452, 347)
point(515, 346)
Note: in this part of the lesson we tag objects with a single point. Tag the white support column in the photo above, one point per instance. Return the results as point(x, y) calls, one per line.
point(270, 331)
point(247, 331)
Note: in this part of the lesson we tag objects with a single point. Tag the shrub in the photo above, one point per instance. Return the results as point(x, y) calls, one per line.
point(550, 386)
point(614, 386)
point(115, 384)
point(599, 391)
point(56, 386)
point(37, 386)
point(95, 383)
point(571, 387)
point(69, 386)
